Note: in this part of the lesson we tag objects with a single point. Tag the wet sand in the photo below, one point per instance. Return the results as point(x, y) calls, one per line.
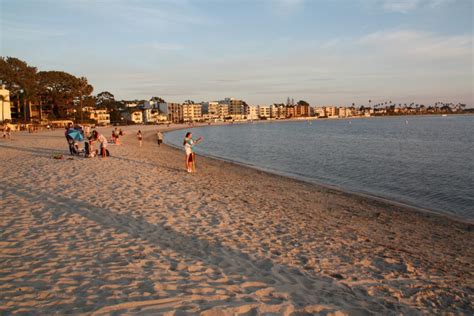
point(135, 233)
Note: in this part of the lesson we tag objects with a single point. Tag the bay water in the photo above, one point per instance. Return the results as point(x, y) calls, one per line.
point(423, 161)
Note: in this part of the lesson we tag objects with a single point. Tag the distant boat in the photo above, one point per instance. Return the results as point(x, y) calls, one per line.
point(444, 115)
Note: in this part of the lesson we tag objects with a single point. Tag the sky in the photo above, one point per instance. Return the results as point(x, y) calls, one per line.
point(326, 52)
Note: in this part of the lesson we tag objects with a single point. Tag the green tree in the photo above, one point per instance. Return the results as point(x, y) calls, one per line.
point(21, 80)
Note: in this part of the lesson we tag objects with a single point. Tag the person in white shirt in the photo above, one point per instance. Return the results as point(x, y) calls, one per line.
point(188, 144)
point(103, 142)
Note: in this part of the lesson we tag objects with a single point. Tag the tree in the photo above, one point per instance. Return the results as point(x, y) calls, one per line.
point(21, 80)
point(83, 89)
point(60, 90)
point(302, 102)
point(104, 97)
point(157, 100)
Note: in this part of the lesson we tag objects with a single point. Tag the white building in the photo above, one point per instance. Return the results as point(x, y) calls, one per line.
point(5, 111)
point(153, 116)
point(264, 111)
point(252, 112)
point(101, 117)
point(343, 112)
point(278, 111)
point(135, 116)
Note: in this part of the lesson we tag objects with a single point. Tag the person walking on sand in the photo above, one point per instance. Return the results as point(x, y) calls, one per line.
point(140, 137)
point(188, 144)
point(159, 137)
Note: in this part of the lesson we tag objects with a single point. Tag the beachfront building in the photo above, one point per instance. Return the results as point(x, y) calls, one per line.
point(237, 108)
point(192, 112)
point(153, 116)
point(252, 112)
point(330, 112)
point(343, 112)
point(212, 109)
point(133, 115)
point(5, 111)
point(319, 111)
point(101, 117)
point(278, 111)
point(223, 110)
point(175, 112)
point(290, 111)
point(264, 111)
point(301, 110)
point(172, 111)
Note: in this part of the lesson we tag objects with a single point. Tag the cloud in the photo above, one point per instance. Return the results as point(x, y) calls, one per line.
point(17, 31)
point(160, 13)
point(418, 46)
point(404, 6)
point(285, 7)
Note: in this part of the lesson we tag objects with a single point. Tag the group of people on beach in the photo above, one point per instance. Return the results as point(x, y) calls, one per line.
point(91, 138)
point(95, 136)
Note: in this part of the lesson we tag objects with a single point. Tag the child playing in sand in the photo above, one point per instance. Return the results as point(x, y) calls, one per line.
point(140, 137)
point(188, 144)
point(103, 142)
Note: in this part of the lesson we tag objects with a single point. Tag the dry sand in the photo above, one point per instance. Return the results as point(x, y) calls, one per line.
point(135, 233)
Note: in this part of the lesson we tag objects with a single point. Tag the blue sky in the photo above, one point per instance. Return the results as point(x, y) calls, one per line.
point(322, 51)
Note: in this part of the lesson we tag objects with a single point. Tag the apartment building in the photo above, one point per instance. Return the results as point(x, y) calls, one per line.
point(192, 112)
point(264, 111)
point(101, 117)
point(252, 112)
point(278, 111)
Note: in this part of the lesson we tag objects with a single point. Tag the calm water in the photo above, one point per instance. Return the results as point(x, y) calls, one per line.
point(422, 161)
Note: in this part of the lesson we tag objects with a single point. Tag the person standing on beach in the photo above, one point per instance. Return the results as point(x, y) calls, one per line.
point(188, 144)
point(140, 137)
point(69, 139)
point(159, 137)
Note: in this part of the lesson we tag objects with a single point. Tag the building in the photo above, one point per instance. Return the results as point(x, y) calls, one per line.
point(153, 116)
point(319, 111)
point(211, 108)
point(218, 110)
point(133, 115)
point(330, 111)
point(174, 112)
point(302, 110)
point(264, 111)
point(5, 111)
point(290, 111)
point(278, 111)
point(237, 108)
point(192, 112)
point(343, 112)
point(252, 112)
point(101, 117)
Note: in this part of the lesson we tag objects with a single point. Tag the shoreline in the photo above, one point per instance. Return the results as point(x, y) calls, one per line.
point(135, 233)
point(414, 208)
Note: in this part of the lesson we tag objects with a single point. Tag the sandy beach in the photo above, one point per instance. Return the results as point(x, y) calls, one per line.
point(136, 234)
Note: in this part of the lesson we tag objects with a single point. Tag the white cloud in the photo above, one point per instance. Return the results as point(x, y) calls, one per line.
point(285, 7)
point(405, 6)
point(417, 46)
